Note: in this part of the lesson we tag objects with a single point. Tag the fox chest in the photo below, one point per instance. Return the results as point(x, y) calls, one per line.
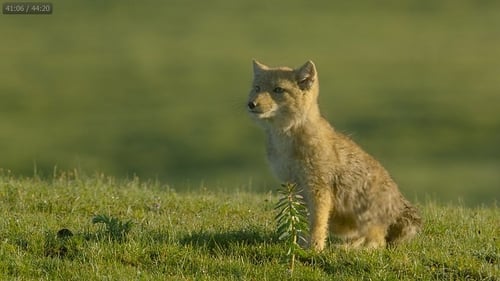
point(288, 161)
point(283, 164)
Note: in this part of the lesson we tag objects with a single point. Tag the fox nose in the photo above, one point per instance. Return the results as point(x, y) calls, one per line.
point(252, 105)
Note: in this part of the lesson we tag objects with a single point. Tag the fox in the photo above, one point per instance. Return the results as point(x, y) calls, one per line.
point(348, 193)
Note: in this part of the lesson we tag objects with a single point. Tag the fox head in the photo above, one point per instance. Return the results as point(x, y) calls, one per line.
point(283, 97)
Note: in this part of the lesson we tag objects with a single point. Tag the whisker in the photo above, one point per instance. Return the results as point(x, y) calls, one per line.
point(237, 104)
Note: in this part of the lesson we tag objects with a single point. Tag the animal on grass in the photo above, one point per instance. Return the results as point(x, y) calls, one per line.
point(348, 192)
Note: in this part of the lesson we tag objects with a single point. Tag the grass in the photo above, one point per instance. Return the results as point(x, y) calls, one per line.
point(47, 233)
point(158, 89)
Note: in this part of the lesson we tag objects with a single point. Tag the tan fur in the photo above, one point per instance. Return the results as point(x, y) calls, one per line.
point(347, 190)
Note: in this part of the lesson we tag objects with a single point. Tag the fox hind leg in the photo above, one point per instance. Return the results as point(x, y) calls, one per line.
point(373, 238)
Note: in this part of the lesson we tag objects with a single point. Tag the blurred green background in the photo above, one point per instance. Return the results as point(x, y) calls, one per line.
point(158, 89)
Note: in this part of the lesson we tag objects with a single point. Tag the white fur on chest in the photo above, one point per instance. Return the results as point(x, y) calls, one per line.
point(306, 157)
point(283, 159)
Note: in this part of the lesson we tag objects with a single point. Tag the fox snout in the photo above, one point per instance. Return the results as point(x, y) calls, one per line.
point(261, 107)
point(257, 104)
point(252, 104)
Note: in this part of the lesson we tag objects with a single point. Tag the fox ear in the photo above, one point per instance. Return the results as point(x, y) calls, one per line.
point(258, 67)
point(306, 75)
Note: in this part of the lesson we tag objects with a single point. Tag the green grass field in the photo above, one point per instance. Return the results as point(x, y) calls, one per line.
point(158, 90)
point(206, 235)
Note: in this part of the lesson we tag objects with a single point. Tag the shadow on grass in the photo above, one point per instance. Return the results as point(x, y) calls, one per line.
point(256, 246)
point(228, 239)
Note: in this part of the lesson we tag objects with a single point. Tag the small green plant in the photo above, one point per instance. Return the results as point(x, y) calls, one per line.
point(115, 229)
point(291, 221)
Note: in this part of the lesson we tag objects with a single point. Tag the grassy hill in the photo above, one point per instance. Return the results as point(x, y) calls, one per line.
point(157, 89)
point(46, 233)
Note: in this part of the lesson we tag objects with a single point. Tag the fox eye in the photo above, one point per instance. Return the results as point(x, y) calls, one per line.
point(278, 90)
point(257, 88)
